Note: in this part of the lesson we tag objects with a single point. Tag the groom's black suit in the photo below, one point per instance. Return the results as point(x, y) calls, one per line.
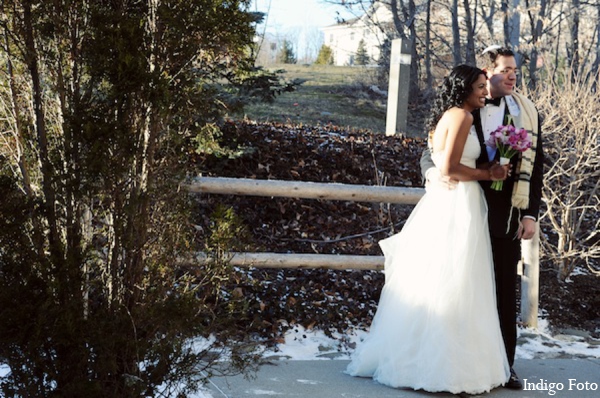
point(506, 247)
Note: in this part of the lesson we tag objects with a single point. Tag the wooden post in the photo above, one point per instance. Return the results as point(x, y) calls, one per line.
point(399, 82)
point(530, 285)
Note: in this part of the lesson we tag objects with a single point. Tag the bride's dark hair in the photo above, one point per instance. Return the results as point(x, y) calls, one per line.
point(454, 90)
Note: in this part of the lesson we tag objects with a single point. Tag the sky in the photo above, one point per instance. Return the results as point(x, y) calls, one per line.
point(299, 21)
point(297, 13)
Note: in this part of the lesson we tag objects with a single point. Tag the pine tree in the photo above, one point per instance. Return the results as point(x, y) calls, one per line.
point(286, 55)
point(383, 63)
point(362, 57)
point(325, 56)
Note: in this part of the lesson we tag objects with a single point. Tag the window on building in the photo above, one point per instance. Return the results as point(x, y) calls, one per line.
point(352, 36)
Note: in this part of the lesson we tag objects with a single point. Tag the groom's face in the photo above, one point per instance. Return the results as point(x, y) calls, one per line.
point(502, 79)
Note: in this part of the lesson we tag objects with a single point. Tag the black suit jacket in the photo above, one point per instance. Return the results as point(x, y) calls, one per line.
point(499, 202)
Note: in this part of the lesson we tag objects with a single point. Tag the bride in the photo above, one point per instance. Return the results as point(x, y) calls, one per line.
point(436, 327)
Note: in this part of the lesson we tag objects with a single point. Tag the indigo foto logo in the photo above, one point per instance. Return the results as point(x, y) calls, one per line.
point(553, 388)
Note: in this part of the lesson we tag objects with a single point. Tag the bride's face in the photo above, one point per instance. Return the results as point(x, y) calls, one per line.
point(477, 97)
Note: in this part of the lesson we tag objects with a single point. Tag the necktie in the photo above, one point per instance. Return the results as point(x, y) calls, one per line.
point(493, 101)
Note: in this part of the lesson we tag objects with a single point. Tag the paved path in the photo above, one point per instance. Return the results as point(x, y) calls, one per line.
point(325, 379)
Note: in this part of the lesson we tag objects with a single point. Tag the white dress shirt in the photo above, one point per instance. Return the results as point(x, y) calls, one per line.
point(492, 116)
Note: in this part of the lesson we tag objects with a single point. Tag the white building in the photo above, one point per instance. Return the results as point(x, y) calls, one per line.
point(343, 38)
point(269, 46)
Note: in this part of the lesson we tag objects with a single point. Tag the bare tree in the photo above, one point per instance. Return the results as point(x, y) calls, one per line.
point(404, 14)
point(427, 57)
point(313, 42)
point(536, 22)
point(292, 37)
point(572, 181)
point(512, 26)
point(404, 20)
point(572, 46)
point(487, 10)
point(596, 66)
point(470, 22)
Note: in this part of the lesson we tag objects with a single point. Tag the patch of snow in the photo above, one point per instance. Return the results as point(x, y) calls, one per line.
point(311, 382)
point(302, 345)
point(263, 392)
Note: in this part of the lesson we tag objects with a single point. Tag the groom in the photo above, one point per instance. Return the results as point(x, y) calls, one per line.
point(513, 211)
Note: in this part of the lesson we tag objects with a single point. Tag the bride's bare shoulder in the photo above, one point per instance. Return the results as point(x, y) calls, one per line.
point(457, 114)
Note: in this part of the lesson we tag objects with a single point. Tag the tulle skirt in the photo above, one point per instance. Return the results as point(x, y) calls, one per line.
point(436, 327)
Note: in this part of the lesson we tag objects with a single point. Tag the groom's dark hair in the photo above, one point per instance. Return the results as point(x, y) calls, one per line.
point(487, 59)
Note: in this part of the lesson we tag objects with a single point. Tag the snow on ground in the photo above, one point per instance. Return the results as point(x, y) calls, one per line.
point(302, 345)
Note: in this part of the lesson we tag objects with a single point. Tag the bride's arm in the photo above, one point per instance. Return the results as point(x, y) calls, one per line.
point(432, 175)
point(458, 124)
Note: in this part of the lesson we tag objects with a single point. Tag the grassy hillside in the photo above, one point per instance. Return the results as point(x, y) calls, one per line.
point(330, 94)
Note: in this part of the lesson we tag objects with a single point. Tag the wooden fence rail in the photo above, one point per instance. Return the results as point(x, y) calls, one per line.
point(306, 190)
point(302, 261)
point(355, 193)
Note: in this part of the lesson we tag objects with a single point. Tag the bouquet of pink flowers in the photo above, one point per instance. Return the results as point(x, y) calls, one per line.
point(509, 141)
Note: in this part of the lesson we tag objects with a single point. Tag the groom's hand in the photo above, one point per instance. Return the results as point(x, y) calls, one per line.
point(433, 177)
point(526, 228)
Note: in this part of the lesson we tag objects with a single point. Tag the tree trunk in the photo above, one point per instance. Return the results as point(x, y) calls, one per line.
point(488, 16)
point(31, 58)
point(428, 73)
point(414, 64)
point(573, 47)
point(596, 66)
point(455, 34)
point(37, 233)
point(470, 22)
point(557, 44)
point(512, 27)
point(404, 17)
point(536, 26)
point(17, 115)
point(63, 261)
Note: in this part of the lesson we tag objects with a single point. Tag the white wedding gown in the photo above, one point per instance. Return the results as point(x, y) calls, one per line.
point(436, 327)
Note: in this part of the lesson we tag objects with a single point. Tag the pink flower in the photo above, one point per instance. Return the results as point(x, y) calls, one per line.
point(508, 140)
